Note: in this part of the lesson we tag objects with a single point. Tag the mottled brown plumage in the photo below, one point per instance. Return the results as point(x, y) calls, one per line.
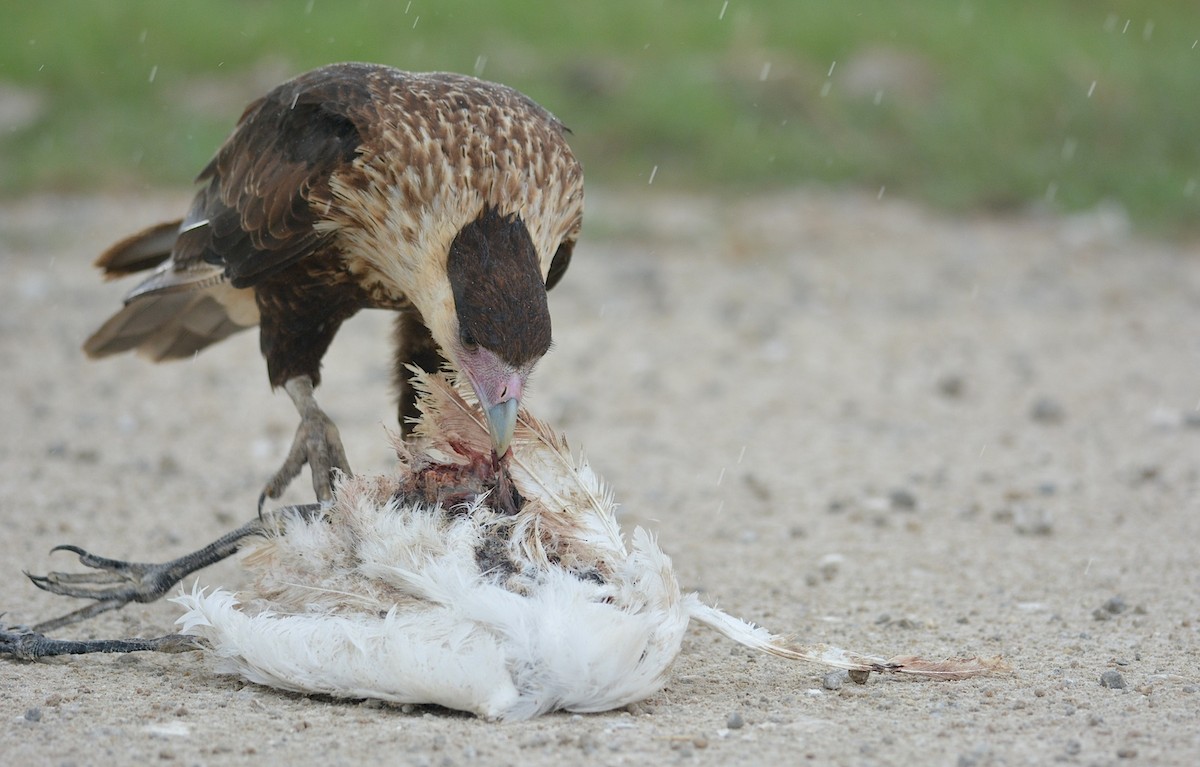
point(453, 201)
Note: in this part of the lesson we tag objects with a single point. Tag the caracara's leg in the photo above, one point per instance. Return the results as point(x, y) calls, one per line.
point(317, 443)
point(414, 346)
point(114, 584)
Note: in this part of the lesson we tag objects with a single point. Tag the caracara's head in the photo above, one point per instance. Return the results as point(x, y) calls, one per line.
point(500, 313)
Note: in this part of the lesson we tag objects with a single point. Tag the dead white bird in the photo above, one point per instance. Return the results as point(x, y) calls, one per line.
point(419, 588)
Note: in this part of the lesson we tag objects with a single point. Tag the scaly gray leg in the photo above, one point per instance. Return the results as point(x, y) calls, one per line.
point(115, 584)
point(317, 443)
point(29, 645)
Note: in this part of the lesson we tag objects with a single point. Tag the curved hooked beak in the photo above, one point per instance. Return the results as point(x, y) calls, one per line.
point(498, 387)
point(502, 420)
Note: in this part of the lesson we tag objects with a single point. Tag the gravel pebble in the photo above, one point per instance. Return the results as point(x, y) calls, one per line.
point(951, 386)
point(33, 715)
point(902, 500)
point(735, 721)
point(1112, 680)
point(834, 679)
point(1046, 410)
point(1116, 605)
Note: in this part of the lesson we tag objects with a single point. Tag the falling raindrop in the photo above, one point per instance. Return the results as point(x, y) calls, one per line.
point(724, 7)
point(721, 477)
point(1148, 30)
point(653, 173)
point(878, 97)
point(415, 22)
point(480, 63)
point(764, 72)
point(1068, 149)
point(881, 190)
point(1189, 188)
point(828, 86)
point(1051, 191)
point(742, 454)
point(1126, 27)
point(407, 7)
point(1091, 89)
point(309, 8)
point(142, 37)
point(831, 66)
point(153, 72)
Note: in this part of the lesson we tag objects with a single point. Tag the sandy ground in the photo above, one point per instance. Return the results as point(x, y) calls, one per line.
point(846, 418)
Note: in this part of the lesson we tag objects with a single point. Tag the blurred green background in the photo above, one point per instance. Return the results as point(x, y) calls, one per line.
point(969, 105)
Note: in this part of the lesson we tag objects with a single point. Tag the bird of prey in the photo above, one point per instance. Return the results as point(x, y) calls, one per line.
point(453, 201)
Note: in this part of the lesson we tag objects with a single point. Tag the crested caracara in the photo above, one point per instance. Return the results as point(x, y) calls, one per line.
point(452, 201)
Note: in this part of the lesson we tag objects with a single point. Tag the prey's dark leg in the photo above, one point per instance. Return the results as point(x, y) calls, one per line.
point(30, 645)
point(114, 584)
point(414, 346)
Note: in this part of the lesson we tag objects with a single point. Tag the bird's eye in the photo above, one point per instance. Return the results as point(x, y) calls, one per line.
point(468, 341)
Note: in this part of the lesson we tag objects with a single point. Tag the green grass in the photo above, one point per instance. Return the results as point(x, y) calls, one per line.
point(975, 104)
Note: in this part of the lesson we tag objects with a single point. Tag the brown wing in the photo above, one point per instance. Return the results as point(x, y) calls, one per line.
point(255, 215)
point(268, 182)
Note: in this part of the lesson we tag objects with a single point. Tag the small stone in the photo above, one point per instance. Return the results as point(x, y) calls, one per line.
point(735, 721)
point(951, 386)
point(829, 565)
point(1116, 605)
point(1112, 680)
point(33, 715)
point(902, 500)
point(1073, 747)
point(1047, 411)
point(858, 676)
point(834, 679)
point(1032, 520)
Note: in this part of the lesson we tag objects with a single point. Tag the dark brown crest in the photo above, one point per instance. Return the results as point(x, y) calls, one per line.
point(499, 294)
